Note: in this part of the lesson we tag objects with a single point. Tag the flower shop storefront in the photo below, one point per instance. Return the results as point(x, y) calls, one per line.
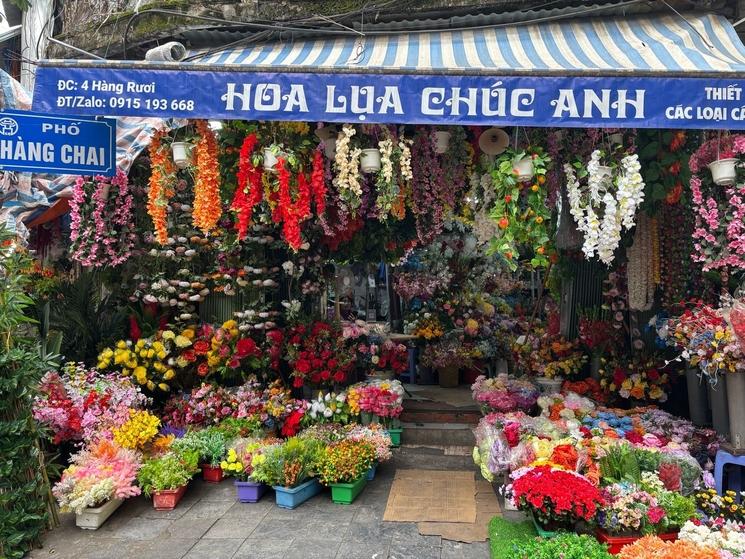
point(467, 177)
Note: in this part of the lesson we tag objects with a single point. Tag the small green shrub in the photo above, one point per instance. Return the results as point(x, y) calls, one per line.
point(170, 471)
point(564, 546)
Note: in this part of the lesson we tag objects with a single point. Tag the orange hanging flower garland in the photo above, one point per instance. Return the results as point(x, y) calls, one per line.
point(207, 205)
point(162, 185)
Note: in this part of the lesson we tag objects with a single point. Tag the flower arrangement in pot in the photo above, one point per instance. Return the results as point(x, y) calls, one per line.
point(242, 458)
point(378, 438)
point(383, 360)
point(379, 402)
point(555, 498)
point(447, 356)
point(211, 445)
point(166, 477)
point(94, 485)
point(344, 467)
point(290, 469)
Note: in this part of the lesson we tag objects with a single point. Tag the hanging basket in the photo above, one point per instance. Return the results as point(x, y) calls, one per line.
point(723, 171)
point(370, 160)
point(605, 172)
point(181, 154)
point(525, 170)
point(270, 160)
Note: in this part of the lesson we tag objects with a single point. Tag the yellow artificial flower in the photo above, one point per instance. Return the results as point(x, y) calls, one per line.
point(182, 341)
point(168, 335)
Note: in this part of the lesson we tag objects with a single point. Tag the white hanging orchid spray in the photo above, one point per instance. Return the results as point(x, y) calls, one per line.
point(616, 196)
point(404, 145)
point(386, 184)
point(347, 160)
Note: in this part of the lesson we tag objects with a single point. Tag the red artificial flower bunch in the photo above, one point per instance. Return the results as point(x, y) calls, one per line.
point(248, 193)
point(596, 334)
point(274, 340)
point(317, 354)
point(393, 357)
point(556, 496)
point(221, 349)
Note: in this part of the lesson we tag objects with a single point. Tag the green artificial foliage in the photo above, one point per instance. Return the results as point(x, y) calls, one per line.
point(211, 445)
point(234, 428)
point(290, 464)
point(505, 536)
point(24, 487)
point(564, 546)
point(678, 508)
point(619, 464)
point(170, 471)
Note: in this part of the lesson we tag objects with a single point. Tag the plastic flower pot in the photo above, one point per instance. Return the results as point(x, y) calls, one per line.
point(525, 170)
point(448, 376)
point(181, 154)
point(249, 491)
point(542, 531)
point(291, 497)
point(93, 517)
point(442, 140)
point(167, 499)
point(370, 160)
point(346, 493)
point(723, 171)
point(371, 472)
point(395, 435)
point(617, 543)
point(211, 474)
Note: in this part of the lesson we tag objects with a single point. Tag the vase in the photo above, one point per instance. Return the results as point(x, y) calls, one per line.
point(292, 497)
point(595, 367)
point(211, 474)
point(346, 493)
point(724, 171)
point(735, 399)
point(525, 170)
point(442, 141)
point(249, 491)
point(167, 499)
point(697, 397)
point(549, 385)
point(616, 139)
point(371, 472)
point(618, 542)
point(181, 152)
point(93, 517)
point(395, 435)
point(448, 376)
point(719, 406)
point(370, 160)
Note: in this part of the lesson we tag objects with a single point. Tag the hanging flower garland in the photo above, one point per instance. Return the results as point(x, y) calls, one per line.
point(429, 192)
point(162, 185)
point(248, 193)
point(347, 179)
point(318, 183)
point(102, 232)
point(640, 268)
point(292, 213)
point(387, 180)
point(616, 195)
point(719, 234)
point(207, 205)
point(398, 209)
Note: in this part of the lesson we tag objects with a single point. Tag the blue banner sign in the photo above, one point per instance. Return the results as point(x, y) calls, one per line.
point(44, 143)
point(625, 102)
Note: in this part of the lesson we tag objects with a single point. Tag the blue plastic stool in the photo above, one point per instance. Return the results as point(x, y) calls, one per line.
point(734, 476)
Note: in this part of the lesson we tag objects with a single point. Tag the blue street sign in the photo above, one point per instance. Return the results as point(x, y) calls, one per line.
point(57, 145)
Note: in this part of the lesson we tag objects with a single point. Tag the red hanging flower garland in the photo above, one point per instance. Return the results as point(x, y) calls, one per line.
point(318, 183)
point(291, 213)
point(248, 194)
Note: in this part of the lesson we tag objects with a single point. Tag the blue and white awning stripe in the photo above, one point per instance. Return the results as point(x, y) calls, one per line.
point(699, 43)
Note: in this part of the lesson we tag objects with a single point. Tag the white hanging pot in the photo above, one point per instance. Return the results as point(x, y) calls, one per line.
point(270, 160)
point(442, 140)
point(616, 139)
point(524, 169)
point(370, 160)
point(329, 147)
point(605, 172)
point(723, 171)
point(181, 154)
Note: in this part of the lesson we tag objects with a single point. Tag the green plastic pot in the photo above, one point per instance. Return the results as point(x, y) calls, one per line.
point(346, 493)
point(395, 436)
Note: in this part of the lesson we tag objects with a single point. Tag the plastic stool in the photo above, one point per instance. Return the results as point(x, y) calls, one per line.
point(734, 478)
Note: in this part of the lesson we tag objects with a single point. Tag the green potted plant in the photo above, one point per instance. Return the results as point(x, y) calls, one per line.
point(344, 468)
point(211, 445)
point(242, 458)
point(290, 468)
point(566, 546)
point(166, 477)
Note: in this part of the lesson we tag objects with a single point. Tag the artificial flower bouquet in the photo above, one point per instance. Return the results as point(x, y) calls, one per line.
point(318, 354)
point(556, 498)
point(631, 511)
point(209, 444)
point(346, 461)
point(168, 472)
point(328, 408)
point(207, 404)
point(80, 403)
point(446, 353)
point(138, 431)
point(596, 332)
point(375, 436)
point(504, 393)
point(380, 358)
point(727, 537)
point(97, 474)
point(639, 380)
point(653, 547)
point(565, 406)
point(723, 507)
point(425, 325)
point(224, 350)
point(377, 401)
point(244, 456)
point(545, 355)
point(289, 464)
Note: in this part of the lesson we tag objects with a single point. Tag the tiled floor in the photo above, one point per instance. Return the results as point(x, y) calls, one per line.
point(209, 523)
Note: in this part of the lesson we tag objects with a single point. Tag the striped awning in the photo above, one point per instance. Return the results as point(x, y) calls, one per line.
point(696, 43)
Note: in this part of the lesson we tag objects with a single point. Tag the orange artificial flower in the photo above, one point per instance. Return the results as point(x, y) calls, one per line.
point(162, 186)
point(652, 547)
point(207, 205)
